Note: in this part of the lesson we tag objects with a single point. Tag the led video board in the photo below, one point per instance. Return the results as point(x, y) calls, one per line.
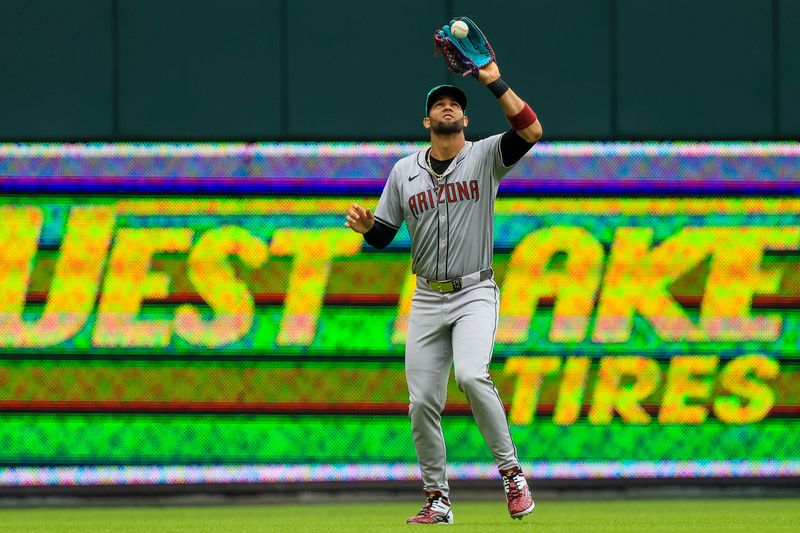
point(198, 313)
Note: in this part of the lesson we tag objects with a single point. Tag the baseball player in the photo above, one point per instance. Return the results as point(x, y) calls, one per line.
point(445, 194)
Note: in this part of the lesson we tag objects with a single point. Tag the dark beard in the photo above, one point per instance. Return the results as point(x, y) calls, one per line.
point(447, 128)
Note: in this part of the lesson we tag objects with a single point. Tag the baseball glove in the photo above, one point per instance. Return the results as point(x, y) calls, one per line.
point(464, 56)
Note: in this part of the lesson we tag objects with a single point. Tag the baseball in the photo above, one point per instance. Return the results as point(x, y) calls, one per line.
point(459, 29)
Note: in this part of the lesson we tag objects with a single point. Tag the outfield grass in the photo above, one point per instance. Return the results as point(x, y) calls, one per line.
point(650, 516)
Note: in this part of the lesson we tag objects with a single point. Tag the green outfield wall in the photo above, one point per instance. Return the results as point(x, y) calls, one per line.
point(315, 70)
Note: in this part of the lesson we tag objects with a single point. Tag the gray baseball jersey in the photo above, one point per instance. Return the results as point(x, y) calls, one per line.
point(450, 220)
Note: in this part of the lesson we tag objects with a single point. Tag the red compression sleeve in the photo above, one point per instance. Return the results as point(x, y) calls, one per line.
point(523, 119)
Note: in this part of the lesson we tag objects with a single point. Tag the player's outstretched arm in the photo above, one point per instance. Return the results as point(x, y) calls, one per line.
point(522, 118)
point(467, 51)
point(359, 219)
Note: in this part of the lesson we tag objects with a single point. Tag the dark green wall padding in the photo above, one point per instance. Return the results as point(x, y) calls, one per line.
point(313, 70)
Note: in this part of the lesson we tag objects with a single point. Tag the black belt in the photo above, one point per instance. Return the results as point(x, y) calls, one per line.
point(456, 284)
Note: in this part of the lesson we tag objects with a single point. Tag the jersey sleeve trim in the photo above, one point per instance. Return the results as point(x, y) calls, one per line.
point(386, 223)
point(516, 148)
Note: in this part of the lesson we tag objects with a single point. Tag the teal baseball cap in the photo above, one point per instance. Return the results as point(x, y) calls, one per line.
point(441, 90)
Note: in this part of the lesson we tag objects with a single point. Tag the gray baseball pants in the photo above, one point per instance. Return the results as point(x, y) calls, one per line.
point(456, 328)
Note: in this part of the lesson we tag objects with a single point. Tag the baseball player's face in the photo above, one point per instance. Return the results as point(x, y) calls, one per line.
point(446, 117)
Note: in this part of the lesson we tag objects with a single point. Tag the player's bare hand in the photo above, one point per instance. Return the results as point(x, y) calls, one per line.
point(359, 219)
point(489, 73)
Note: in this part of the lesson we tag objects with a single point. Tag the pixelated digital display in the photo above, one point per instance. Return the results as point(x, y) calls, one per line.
point(198, 313)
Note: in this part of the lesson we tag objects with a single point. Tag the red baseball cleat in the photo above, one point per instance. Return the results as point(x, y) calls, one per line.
point(435, 511)
point(518, 495)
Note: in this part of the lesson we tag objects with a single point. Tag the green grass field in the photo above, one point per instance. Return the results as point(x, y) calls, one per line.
point(650, 516)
